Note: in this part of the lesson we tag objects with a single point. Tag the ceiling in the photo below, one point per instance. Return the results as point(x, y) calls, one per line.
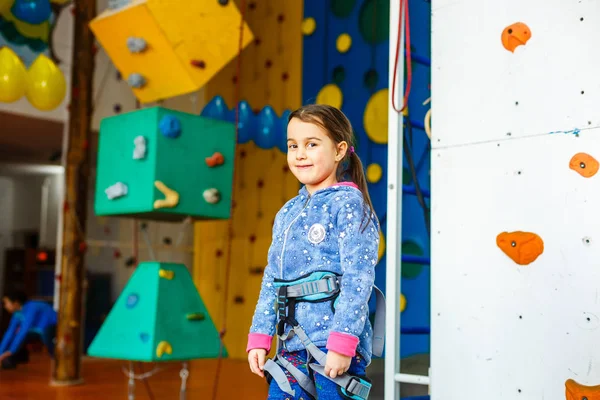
point(29, 140)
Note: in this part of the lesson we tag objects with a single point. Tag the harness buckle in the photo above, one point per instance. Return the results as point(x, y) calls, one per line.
point(333, 283)
point(282, 302)
point(357, 388)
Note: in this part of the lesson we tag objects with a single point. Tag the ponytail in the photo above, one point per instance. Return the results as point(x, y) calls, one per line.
point(357, 175)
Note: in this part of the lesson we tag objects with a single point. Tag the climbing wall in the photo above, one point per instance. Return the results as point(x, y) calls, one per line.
point(515, 311)
point(346, 45)
point(159, 316)
point(270, 76)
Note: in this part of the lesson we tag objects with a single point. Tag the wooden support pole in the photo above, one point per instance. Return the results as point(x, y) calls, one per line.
point(67, 359)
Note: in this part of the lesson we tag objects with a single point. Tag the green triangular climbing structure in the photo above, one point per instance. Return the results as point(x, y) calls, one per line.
point(159, 316)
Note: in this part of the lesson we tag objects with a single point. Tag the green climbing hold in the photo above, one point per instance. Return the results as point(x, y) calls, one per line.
point(342, 8)
point(411, 270)
point(339, 74)
point(374, 21)
point(370, 79)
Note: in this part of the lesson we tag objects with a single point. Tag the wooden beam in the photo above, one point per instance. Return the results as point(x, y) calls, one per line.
point(67, 359)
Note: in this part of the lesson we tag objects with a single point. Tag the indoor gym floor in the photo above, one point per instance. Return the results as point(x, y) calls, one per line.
point(104, 379)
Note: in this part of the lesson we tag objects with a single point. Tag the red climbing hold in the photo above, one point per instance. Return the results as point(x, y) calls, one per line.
point(214, 160)
point(198, 64)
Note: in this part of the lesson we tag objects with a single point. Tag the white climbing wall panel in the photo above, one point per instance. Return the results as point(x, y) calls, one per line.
point(501, 329)
point(484, 92)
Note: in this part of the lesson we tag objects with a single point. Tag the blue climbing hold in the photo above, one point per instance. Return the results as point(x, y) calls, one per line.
point(136, 80)
point(144, 337)
point(114, 4)
point(170, 126)
point(136, 45)
point(132, 300)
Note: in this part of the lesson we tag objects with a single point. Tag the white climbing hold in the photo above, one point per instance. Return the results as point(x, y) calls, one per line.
point(119, 189)
point(211, 196)
point(136, 80)
point(114, 4)
point(136, 45)
point(139, 151)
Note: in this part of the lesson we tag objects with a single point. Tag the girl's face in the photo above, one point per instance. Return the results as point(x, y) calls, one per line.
point(312, 156)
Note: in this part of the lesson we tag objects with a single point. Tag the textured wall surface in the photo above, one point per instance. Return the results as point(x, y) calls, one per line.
point(270, 75)
point(515, 309)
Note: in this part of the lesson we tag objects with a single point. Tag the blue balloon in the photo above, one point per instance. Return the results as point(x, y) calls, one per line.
point(216, 109)
point(282, 131)
point(266, 135)
point(32, 11)
point(246, 122)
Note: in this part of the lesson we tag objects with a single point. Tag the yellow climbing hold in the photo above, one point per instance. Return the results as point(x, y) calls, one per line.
point(163, 273)
point(196, 316)
point(330, 94)
point(171, 196)
point(308, 26)
point(162, 348)
point(381, 250)
point(375, 118)
point(343, 43)
point(402, 303)
point(374, 173)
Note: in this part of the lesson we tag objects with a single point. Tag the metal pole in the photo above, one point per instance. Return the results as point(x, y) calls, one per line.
point(394, 211)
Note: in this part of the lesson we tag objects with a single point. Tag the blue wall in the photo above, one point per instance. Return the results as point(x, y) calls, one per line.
point(320, 58)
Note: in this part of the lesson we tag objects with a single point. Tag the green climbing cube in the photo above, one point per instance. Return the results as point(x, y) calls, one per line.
point(162, 164)
point(159, 316)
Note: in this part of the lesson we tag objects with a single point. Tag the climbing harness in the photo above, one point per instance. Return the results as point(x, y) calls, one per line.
point(318, 286)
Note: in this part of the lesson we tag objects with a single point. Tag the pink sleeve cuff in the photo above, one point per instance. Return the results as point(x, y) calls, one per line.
point(259, 341)
point(342, 343)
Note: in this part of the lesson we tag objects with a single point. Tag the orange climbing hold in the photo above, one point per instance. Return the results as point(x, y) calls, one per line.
point(584, 164)
point(577, 391)
point(522, 247)
point(214, 160)
point(515, 35)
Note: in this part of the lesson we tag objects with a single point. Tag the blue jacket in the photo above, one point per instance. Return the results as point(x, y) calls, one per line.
point(323, 232)
point(35, 316)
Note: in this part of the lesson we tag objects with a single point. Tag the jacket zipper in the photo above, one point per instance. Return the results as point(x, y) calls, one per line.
point(285, 236)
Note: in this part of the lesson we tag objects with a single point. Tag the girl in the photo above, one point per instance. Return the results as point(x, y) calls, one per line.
point(321, 268)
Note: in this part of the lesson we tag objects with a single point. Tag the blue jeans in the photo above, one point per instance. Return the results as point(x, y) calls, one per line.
point(326, 389)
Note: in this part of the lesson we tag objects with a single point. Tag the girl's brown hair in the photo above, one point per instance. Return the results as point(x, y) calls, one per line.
point(339, 129)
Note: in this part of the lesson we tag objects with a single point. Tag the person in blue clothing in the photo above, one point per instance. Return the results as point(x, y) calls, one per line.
point(321, 269)
point(29, 319)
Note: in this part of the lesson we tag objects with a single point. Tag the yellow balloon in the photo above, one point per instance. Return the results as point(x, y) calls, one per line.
point(46, 87)
point(13, 76)
point(5, 5)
